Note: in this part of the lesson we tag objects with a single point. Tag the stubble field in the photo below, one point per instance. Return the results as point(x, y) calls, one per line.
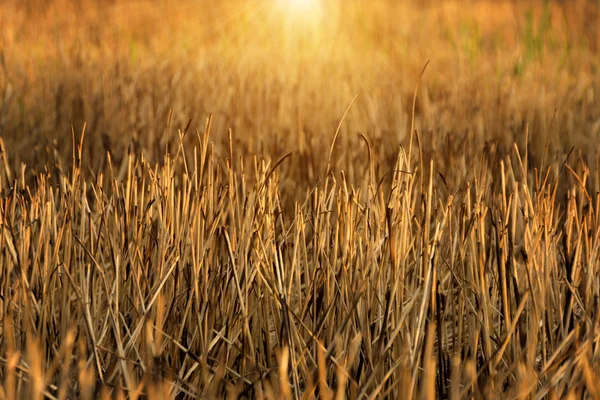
point(265, 199)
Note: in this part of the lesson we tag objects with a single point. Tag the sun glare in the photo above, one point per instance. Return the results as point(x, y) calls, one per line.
point(301, 8)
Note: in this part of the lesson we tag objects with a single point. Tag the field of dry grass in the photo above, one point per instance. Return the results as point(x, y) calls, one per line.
point(361, 199)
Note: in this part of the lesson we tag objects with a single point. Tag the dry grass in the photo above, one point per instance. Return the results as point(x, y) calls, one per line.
point(440, 246)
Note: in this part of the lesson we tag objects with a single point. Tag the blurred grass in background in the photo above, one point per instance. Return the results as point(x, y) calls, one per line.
point(282, 81)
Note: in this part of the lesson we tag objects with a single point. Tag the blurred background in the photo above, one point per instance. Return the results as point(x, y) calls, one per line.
point(281, 73)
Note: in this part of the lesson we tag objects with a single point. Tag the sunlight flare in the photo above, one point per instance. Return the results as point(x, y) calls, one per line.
point(301, 8)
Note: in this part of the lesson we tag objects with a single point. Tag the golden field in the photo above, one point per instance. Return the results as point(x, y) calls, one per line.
point(268, 199)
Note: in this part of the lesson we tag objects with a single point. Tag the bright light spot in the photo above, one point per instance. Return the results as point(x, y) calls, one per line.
point(301, 8)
